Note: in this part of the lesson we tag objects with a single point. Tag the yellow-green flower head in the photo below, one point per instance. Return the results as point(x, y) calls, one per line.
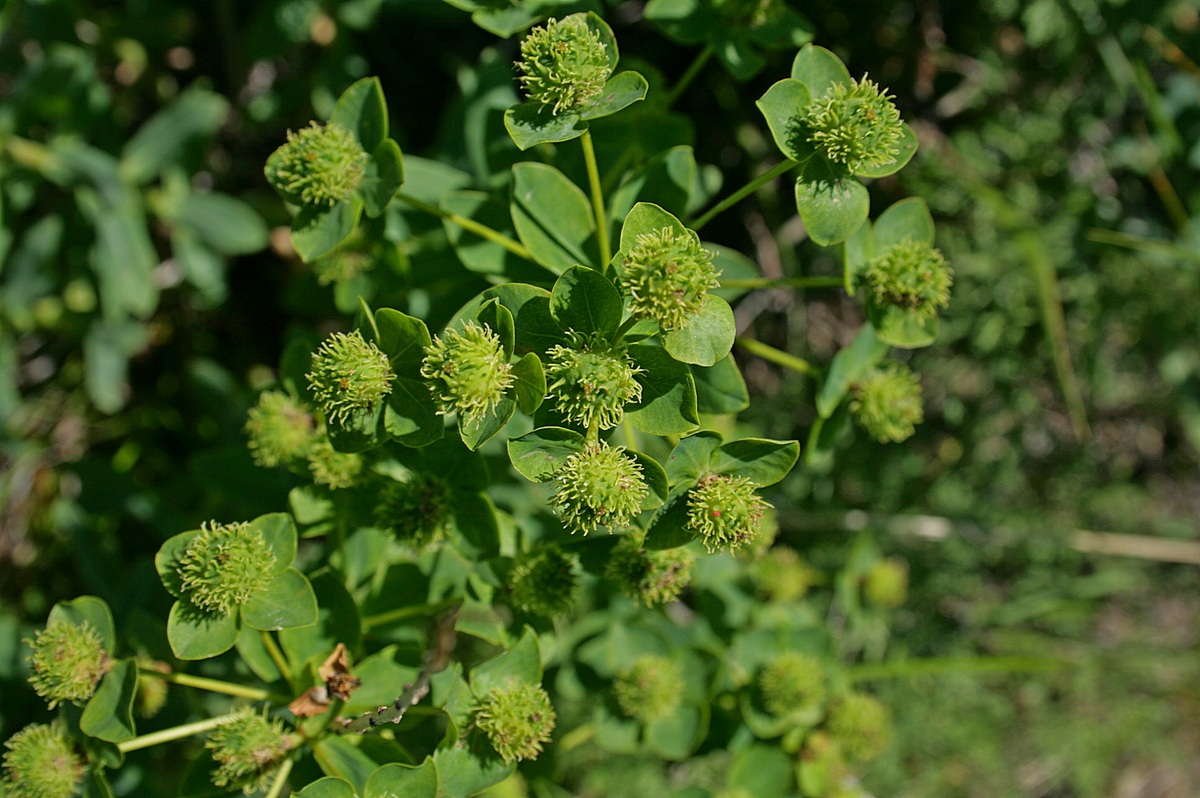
point(319, 166)
point(41, 762)
point(782, 575)
point(544, 581)
point(151, 693)
point(279, 428)
point(748, 13)
point(591, 381)
point(248, 748)
point(341, 266)
point(861, 725)
point(886, 583)
point(887, 403)
point(912, 275)
point(651, 689)
point(224, 565)
point(855, 125)
point(68, 660)
point(468, 369)
point(600, 486)
point(564, 64)
point(416, 509)
point(517, 720)
point(331, 468)
point(666, 276)
point(725, 512)
point(349, 374)
point(790, 682)
point(649, 577)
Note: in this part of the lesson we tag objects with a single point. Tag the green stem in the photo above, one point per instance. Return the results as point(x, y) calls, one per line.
point(577, 737)
point(768, 352)
point(470, 225)
point(589, 157)
point(938, 665)
point(212, 685)
point(404, 613)
point(173, 733)
point(277, 656)
point(281, 777)
point(790, 282)
point(744, 191)
point(689, 75)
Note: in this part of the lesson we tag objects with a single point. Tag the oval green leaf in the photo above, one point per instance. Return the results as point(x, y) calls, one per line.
point(363, 111)
point(586, 301)
point(288, 602)
point(109, 713)
point(539, 454)
point(318, 231)
point(832, 208)
point(707, 336)
point(194, 634)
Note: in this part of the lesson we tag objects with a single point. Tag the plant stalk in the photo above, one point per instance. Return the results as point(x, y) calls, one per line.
point(470, 225)
point(212, 685)
point(173, 733)
point(768, 352)
point(689, 75)
point(593, 171)
point(277, 656)
point(789, 282)
point(938, 665)
point(745, 191)
point(281, 777)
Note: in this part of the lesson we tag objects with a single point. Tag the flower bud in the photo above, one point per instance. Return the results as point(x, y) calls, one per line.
point(782, 575)
point(41, 762)
point(331, 468)
point(592, 382)
point(416, 509)
point(912, 275)
point(792, 681)
point(68, 661)
point(151, 692)
point(861, 725)
point(224, 565)
point(544, 581)
point(319, 166)
point(887, 403)
point(517, 720)
point(349, 374)
point(279, 428)
point(564, 64)
point(247, 748)
point(886, 583)
point(650, 690)
point(649, 577)
point(600, 486)
point(855, 125)
point(468, 369)
point(725, 512)
point(666, 276)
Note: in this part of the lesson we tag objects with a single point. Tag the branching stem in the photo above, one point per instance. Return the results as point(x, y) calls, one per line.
point(768, 352)
point(470, 225)
point(744, 191)
point(173, 733)
point(212, 685)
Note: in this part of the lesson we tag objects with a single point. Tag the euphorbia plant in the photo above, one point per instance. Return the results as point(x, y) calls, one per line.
point(490, 516)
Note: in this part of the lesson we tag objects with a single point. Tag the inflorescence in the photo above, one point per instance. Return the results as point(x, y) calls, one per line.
point(468, 369)
point(319, 166)
point(666, 276)
point(855, 125)
point(564, 64)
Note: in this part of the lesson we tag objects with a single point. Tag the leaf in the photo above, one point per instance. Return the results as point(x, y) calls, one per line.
point(521, 664)
point(782, 106)
point(122, 254)
point(621, 91)
point(906, 149)
point(279, 533)
point(531, 124)
point(552, 216)
point(720, 387)
point(195, 634)
point(536, 329)
point(668, 403)
point(403, 339)
point(677, 735)
point(762, 771)
point(107, 348)
point(383, 177)
point(383, 675)
point(109, 713)
point(530, 387)
point(342, 758)
point(478, 254)
point(318, 231)
point(167, 560)
point(363, 111)
point(832, 207)
point(500, 320)
point(391, 781)
point(644, 218)
point(361, 430)
point(668, 527)
point(902, 327)
point(539, 454)
point(159, 143)
point(95, 785)
point(908, 218)
point(763, 462)
point(847, 367)
point(475, 520)
point(287, 602)
point(328, 787)
point(476, 429)
point(692, 458)
point(470, 767)
point(586, 301)
point(222, 223)
point(254, 653)
point(337, 621)
point(707, 336)
point(656, 480)
point(411, 415)
point(824, 436)
point(90, 610)
point(819, 69)
point(665, 180)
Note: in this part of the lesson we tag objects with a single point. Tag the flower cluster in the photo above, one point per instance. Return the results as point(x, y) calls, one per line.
point(650, 690)
point(468, 369)
point(790, 682)
point(247, 748)
point(517, 720)
point(279, 429)
point(782, 574)
point(886, 583)
point(544, 581)
point(349, 375)
point(564, 64)
point(649, 577)
point(912, 275)
point(416, 509)
point(855, 125)
point(599, 486)
point(725, 512)
point(887, 403)
point(41, 762)
point(861, 725)
point(224, 565)
point(319, 166)
point(591, 381)
point(68, 661)
point(331, 468)
point(666, 276)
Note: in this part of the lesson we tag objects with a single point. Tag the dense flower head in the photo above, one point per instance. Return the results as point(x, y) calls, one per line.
point(861, 725)
point(782, 575)
point(912, 275)
point(591, 381)
point(349, 374)
point(319, 166)
point(887, 403)
point(331, 468)
point(279, 429)
point(649, 577)
point(650, 689)
point(41, 762)
point(599, 486)
point(790, 682)
point(544, 581)
point(748, 13)
point(564, 64)
point(417, 509)
point(151, 692)
point(341, 266)
point(725, 512)
point(468, 369)
point(247, 748)
point(854, 124)
point(224, 565)
point(886, 583)
point(666, 276)
point(517, 720)
point(68, 660)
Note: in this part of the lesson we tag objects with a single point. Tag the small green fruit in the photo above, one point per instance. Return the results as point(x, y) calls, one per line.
point(517, 720)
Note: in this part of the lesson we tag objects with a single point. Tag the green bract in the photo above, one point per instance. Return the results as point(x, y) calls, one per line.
point(887, 402)
point(650, 689)
point(224, 566)
point(41, 762)
point(247, 748)
point(279, 429)
point(591, 381)
point(468, 369)
point(600, 486)
point(563, 63)
point(349, 375)
point(544, 581)
point(517, 720)
point(68, 660)
point(725, 512)
point(321, 165)
point(667, 275)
